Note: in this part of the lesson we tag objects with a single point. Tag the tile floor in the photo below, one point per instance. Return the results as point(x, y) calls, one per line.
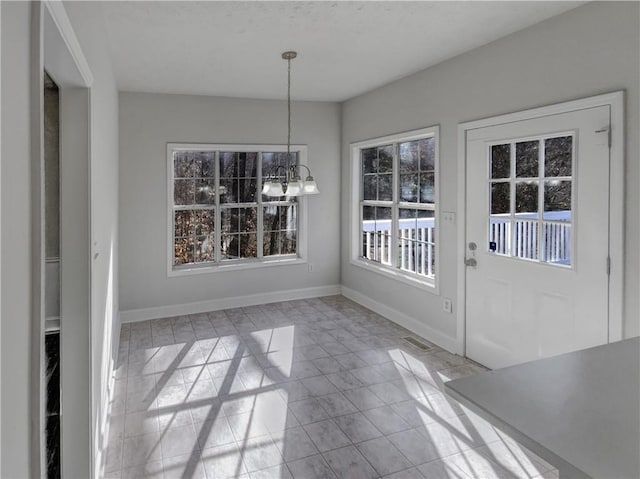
point(318, 388)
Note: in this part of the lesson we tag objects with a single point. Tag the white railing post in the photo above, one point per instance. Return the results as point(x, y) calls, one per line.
point(430, 252)
point(423, 239)
point(412, 250)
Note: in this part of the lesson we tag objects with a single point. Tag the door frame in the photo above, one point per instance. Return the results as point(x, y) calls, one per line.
point(615, 100)
point(56, 49)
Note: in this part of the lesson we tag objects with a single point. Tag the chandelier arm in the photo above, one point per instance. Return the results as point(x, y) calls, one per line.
point(305, 166)
point(273, 171)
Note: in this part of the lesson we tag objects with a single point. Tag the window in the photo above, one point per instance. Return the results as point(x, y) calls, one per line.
point(530, 185)
point(217, 216)
point(395, 205)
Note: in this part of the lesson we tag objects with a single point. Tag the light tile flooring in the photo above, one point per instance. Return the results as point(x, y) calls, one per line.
point(319, 388)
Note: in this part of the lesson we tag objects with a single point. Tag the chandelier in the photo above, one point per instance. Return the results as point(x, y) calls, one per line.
point(291, 184)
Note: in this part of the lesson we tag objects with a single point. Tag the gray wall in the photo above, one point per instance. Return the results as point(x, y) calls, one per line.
point(587, 51)
point(148, 122)
point(16, 363)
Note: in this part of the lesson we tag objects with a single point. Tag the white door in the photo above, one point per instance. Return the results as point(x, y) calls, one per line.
point(537, 228)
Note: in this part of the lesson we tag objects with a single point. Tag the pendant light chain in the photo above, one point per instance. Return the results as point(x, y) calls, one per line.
point(292, 185)
point(288, 115)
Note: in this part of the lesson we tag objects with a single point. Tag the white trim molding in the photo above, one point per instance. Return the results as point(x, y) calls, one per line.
point(615, 100)
point(142, 314)
point(62, 22)
point(412, 324)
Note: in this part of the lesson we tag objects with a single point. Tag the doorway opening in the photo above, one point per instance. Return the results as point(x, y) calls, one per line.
point(51, 119)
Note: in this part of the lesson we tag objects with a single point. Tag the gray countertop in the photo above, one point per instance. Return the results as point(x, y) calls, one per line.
point(580, 411)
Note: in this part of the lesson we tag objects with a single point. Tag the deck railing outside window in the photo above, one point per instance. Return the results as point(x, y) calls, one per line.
point(556, 236)
point(415, 244)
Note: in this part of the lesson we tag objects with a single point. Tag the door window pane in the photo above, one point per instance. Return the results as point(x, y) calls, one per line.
point(501, 161)
point(527, 198)
point(557, 156)
point(525, 234)
point(527, 159)
point(500, 198)
point(557, 200)
point(526, 238)
point(556, 243)
point(500, 234)
point(556, 236)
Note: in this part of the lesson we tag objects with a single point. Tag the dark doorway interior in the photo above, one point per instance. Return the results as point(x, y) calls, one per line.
point(52, 283)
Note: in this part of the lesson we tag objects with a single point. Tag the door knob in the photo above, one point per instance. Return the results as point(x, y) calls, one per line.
point(471, 262)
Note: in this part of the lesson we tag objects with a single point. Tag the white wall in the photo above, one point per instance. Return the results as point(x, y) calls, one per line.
point(590, 50)
point(15, 418)
point(148, 122)
point(91, 32)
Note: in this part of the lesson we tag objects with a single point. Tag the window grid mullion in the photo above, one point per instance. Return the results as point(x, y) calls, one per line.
point(395, 185)
point(541, 166)
point(260, 228)
point(217, 255)
point(512, 202)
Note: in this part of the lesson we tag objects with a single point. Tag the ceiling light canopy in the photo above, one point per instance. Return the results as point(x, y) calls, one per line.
point(284, 180)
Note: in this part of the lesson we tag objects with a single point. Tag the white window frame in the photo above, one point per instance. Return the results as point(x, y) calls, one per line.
point(427, 284)
point(236, 264)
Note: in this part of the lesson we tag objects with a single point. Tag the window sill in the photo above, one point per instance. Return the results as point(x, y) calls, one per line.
point(429, 285)
point(235, 266)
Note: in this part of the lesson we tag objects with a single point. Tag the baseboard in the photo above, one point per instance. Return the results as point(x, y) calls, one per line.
point(412, 324)
point(133, 315)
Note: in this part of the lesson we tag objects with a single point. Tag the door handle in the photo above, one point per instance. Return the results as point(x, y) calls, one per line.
point(470, 262)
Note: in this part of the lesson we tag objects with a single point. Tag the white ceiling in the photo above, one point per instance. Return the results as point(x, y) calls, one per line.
point(345, 48)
